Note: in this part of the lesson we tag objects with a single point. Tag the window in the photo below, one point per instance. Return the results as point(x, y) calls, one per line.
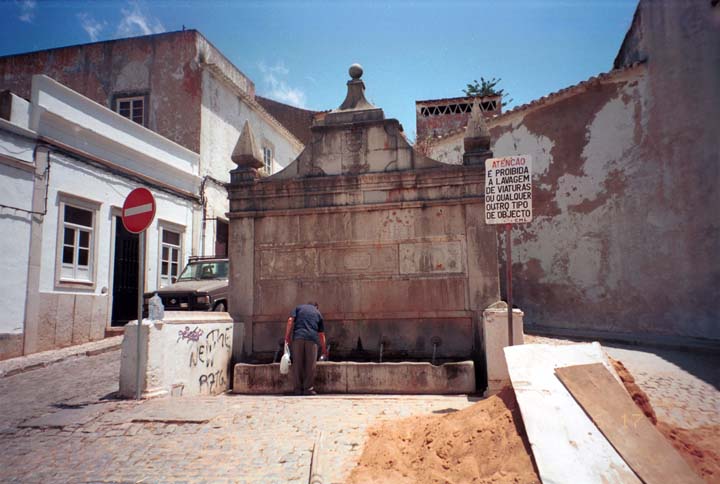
point(267, 159)
point(132, 108)
point(221, 238)
point(169, 256)
point(77, 244)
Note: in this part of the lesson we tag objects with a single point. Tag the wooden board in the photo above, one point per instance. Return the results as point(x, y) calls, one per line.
point(567, 446)
point(634, 437)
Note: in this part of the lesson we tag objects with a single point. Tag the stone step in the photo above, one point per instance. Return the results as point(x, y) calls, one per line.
point(352, 377)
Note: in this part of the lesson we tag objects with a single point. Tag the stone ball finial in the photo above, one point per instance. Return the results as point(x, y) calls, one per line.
point(356, 71)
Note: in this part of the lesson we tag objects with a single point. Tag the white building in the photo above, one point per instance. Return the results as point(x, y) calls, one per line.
point(180, 86)
point(66, 166)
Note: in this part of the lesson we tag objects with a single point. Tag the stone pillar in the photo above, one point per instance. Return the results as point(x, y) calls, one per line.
point(241, 252)
point(495, 338)
point(242, 284)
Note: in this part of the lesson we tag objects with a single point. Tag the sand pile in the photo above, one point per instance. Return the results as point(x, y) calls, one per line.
point(700, 446)
point(484, 443)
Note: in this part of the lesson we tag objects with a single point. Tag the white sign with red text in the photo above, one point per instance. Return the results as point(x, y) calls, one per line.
point(508, 190)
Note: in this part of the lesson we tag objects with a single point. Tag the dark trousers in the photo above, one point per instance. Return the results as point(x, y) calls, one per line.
point(304, 356)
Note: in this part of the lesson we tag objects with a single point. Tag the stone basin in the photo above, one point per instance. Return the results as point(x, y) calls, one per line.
point(353, 377)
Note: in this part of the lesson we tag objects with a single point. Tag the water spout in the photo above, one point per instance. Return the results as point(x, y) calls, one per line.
point(436, 341)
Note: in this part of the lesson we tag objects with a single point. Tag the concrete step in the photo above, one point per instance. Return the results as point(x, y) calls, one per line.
point(351, 377)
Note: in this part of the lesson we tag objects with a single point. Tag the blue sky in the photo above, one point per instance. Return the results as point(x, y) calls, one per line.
point(299, 52)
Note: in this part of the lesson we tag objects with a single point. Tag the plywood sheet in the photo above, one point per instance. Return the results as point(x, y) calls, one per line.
point(634, 437)
point(567, 445)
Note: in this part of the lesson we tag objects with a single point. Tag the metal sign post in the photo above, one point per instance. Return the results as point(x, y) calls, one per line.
point(508, 280)
point(137, 214)
point(141, 285)
point(508, 200)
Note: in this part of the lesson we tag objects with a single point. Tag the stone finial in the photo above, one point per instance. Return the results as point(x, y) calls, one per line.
point(355, 98)
point(477, 138)
point(355, 108)
point(246, 153)
point(355, 71)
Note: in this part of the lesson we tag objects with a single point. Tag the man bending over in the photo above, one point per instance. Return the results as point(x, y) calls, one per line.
point(304, 332)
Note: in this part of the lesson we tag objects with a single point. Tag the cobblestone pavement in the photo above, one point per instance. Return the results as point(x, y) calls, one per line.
point(62, 424)
point(683, 386)
point(45, 358)
point(230, 438)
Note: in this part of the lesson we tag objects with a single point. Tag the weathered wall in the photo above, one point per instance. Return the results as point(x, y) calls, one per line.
point(389, 242)
point(622, 239)
point(398, 275)
point(396, 257)
point(448, 149)
point(164, 67)
point(626, 234)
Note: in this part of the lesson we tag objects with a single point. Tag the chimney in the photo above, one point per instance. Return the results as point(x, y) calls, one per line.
point(477, 138)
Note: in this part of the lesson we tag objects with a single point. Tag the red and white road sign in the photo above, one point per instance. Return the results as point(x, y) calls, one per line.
point(138, 210)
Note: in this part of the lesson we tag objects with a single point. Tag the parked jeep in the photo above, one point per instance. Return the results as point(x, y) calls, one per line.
point(202, 286)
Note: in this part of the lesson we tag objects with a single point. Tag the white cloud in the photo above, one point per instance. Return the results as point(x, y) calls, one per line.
point(137, 22)
point(27, 10)
point(93, 27)
point(278, 88)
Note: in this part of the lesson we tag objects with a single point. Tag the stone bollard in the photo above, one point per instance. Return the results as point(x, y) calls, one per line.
point(495, 338)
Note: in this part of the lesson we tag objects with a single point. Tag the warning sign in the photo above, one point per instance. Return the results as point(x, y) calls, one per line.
point(508, 190)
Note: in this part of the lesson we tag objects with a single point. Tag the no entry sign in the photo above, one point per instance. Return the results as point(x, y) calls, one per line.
point(138, 210)
point(138, 213)
point(508, 190)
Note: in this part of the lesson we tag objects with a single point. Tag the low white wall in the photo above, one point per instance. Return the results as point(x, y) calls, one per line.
point(188, 353)
point(495, 338)
point(16, 188)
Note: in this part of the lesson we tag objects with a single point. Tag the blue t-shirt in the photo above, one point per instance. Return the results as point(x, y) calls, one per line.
point(308, 323)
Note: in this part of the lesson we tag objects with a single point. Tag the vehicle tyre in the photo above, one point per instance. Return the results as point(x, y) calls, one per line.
point(220, 307)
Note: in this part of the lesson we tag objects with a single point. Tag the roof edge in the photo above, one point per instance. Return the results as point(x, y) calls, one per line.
point(570, 90)
point(554, 96)
point(74, 46)
point(461, 98)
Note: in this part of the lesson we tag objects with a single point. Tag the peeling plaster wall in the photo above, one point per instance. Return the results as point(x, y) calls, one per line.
point(626, 234)
point(622, 239)
point(448, 150)
point(164, 67)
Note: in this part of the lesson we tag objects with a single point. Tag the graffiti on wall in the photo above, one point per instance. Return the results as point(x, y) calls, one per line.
point(209, 353)
point(190, 335)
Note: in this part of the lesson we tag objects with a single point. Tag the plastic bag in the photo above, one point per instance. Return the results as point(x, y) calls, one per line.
point(156, 310)
point(285, 361)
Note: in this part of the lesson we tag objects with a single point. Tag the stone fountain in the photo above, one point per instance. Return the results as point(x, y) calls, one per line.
point(390, 243)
